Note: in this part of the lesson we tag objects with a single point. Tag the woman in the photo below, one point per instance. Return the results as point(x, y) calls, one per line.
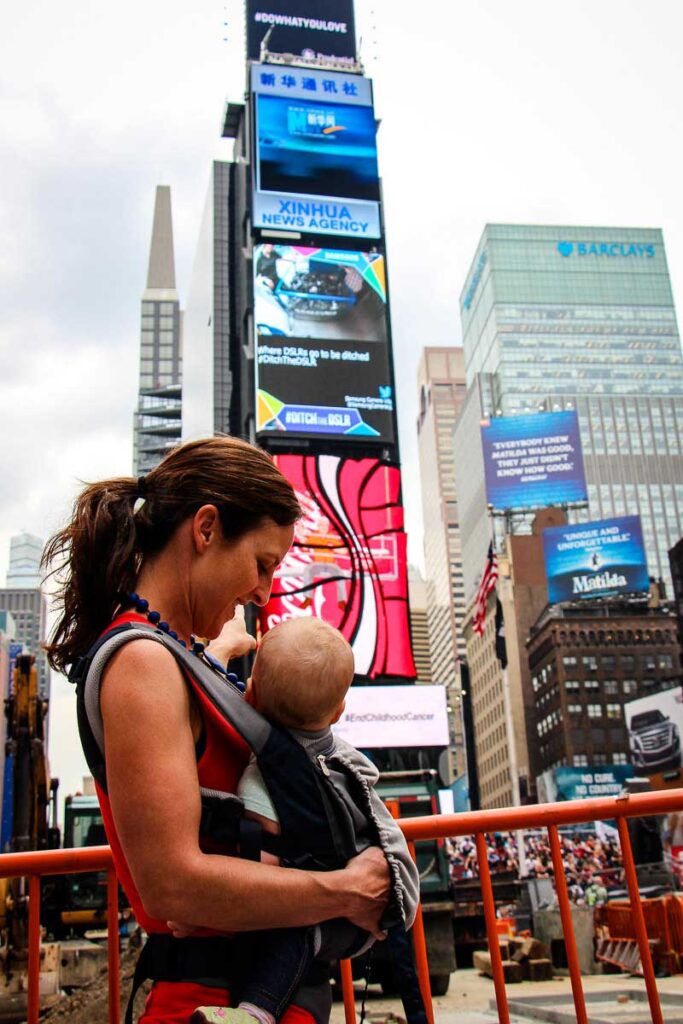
point(215, 520)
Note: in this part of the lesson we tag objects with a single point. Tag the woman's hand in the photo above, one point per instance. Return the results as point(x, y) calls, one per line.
point(367, 885)
point(233, 640)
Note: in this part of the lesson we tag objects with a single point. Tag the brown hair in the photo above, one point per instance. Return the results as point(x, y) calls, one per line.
point(96, 558)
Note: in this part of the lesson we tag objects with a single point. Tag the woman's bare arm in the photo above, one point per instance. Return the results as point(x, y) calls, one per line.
point(154, 793)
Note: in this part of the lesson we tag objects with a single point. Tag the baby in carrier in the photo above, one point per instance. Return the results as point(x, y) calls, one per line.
point(300, 678)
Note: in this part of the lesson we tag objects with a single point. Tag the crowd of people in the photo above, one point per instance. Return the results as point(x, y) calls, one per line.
point(592, 864)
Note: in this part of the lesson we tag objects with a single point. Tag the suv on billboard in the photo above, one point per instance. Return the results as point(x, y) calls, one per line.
point(654, 741)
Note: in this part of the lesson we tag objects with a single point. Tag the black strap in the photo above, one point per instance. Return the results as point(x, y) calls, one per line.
point(250, 839)
point(405, 974)
point(163, 958)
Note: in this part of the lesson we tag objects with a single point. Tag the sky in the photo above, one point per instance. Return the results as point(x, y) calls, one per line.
point(491, 111)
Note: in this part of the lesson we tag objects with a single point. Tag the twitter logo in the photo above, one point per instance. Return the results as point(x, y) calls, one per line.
point(385, 391)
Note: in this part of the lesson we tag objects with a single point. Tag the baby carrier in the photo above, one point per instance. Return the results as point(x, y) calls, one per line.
point(310, 798)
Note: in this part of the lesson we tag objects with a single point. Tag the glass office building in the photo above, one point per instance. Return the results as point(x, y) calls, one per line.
point(584, 318)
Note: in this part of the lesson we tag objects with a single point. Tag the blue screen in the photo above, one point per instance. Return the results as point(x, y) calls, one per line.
point(533, 461)
point(599, 559)
point(324, 149)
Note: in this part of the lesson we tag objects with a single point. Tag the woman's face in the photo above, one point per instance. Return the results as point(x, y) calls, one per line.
point(232, 572)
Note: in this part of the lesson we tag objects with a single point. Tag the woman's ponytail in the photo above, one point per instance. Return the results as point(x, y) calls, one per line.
point(94, 559)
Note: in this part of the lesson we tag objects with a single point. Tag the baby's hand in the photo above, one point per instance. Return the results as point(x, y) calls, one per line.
point(233, 640)
point(180, 931)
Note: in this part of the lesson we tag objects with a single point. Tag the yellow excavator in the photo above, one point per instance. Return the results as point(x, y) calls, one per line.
point(30, 824)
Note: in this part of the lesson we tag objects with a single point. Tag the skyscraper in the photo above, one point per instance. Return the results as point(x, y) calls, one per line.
point(419, 625)
point(441, 393)
point(558, 317)
point(157, 419)
point(24, 599)
point(25, 553)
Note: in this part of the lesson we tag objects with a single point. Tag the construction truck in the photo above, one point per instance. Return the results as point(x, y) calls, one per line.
point(30, 820)
point(76, 904)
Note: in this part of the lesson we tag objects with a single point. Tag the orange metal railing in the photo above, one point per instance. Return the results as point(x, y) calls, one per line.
point(35, 864)
point(478, 823)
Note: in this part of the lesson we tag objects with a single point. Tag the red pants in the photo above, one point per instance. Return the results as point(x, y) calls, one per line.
point(174, 1002)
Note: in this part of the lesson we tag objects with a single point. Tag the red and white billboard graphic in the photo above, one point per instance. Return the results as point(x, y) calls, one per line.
point(347, 564)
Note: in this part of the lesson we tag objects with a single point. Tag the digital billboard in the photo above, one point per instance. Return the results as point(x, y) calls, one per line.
point(338, 389)
point(315, 152)
point(347, 564)
point(655, 727)
point(322, 363)
point(319, 30)
point(394, 716)
point(329, 294)
point(567, 783)
point(604, 558)
point(534, 460)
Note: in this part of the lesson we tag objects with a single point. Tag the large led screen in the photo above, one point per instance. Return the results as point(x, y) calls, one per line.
point(348, 561)
point(591, 781)
point(322, 363)
point(394, 716)
point(319, 30)
point(329, 294)
point(315, 152)
point(604, 558)
point(655, 727)
point(533, 461)
point(333, 389)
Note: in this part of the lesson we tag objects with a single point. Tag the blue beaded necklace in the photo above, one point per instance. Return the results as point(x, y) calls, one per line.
point(198, 647)
point(142, 606)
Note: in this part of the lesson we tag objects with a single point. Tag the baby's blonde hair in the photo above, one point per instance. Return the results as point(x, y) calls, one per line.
point(302, 672)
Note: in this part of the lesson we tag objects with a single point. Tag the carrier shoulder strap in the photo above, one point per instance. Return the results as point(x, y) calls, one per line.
point(87, 673)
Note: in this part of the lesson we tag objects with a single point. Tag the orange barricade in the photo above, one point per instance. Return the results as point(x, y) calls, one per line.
point(663, 922)
point(478, 823)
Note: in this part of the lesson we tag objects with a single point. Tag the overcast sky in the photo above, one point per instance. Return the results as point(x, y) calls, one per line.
point(532, 111)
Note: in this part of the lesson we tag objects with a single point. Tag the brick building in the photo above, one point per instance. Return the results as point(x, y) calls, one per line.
point(585, 663)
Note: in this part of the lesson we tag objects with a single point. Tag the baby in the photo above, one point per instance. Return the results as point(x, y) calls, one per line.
point(302, 672)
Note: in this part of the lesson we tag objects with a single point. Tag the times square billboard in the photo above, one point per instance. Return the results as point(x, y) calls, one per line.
point(317, 30)
point(347, 564)
point(322, 359)
point(315, 152)
point(533, 461)
point(605, 558)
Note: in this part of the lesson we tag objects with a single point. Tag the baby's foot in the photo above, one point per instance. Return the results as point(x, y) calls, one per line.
point(220, 1015)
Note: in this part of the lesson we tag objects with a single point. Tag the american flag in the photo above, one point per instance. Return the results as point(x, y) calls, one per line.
point(487, 584)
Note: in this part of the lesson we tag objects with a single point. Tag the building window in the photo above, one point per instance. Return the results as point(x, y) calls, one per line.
point(649, 663)
point(580, 760)
point(619, 758)
point(666, 661)
point(592, 685)
point(628, 663)
point(572, 685)
point(608, 663)
point(594, 710)
point(629, 686)
point(590, 663)
point(569, 660)
point(574, 709)
point(611, 686)
point(614, 711)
